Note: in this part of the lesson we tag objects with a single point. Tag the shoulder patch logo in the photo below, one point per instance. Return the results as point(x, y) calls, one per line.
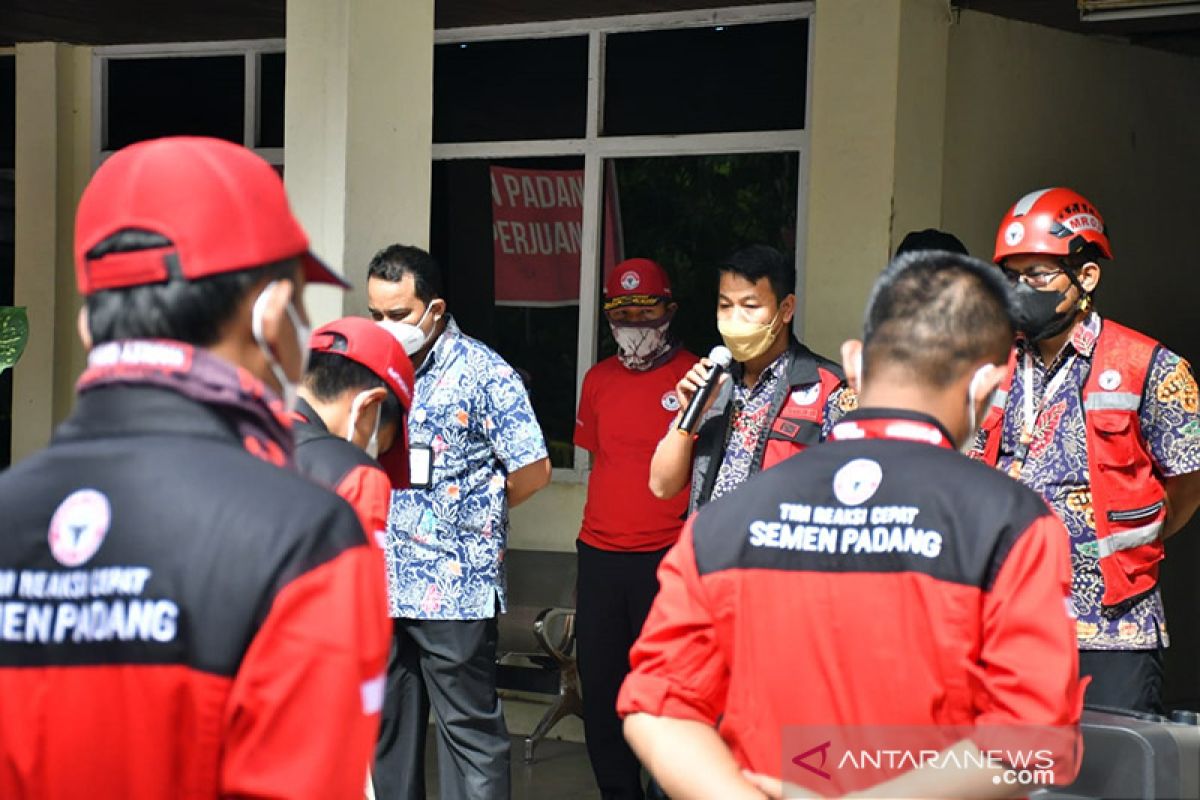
point(806, 395)
point(856, 482)
point(670, 402)
point(79, 526)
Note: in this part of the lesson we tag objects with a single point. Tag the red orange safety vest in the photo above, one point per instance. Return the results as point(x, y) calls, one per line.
point(1128, 497)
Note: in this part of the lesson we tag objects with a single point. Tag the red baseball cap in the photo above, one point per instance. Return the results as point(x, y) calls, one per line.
point(636, 282)
point(365, 342)
point(221, 206)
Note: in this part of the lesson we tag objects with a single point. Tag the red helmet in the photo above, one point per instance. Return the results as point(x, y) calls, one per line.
point(1057, 221)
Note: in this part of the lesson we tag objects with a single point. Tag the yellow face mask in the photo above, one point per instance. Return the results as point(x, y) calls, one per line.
point(747, 340)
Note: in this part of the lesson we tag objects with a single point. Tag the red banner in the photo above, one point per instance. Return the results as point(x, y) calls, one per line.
point(537, 234)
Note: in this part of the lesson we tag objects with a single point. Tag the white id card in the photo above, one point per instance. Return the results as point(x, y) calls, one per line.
point(420, 466)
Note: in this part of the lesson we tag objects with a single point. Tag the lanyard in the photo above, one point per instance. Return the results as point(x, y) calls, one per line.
point(1031, 413)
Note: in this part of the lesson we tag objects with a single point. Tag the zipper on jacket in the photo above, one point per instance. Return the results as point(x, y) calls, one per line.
point(1135, 513)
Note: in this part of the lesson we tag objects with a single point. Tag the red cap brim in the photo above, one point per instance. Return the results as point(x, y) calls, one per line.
point(317, 271)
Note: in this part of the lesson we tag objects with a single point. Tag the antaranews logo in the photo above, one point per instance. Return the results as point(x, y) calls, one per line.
point(917, 761)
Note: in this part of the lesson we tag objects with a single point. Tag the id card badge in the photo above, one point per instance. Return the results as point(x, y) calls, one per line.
point(420, 466)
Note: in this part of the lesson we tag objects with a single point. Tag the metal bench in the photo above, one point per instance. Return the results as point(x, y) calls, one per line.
point(536, 649)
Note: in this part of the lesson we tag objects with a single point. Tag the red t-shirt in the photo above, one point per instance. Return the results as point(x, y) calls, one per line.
point(622, 416)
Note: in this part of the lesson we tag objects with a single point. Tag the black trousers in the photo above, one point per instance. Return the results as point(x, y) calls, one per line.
point(1124, 678)
point(451, 665)
point(615, 591)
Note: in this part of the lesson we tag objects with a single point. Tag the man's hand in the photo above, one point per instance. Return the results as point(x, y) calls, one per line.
point(690, 383)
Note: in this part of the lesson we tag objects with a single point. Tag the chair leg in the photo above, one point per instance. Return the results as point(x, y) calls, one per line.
point(568, 702)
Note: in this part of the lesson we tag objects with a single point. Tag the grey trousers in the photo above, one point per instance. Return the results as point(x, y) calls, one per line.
point(450, 665)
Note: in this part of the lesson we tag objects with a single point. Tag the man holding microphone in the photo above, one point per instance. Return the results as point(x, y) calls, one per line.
point(782, 396)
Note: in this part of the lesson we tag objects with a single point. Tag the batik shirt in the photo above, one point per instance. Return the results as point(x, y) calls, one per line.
point(1056, 466)
point(749, 423)
point(446, 543)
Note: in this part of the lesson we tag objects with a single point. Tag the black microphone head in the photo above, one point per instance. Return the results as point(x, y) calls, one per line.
point(721, 356)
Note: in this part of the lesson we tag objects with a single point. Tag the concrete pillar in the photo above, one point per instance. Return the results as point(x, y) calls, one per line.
point(877, 129)
point(358, 131)
point(53, 164)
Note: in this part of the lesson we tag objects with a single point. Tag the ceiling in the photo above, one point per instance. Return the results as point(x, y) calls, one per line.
point(1179, 33)
point(142, 21)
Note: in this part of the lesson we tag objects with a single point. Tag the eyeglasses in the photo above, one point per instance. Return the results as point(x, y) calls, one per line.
point(1037, 278)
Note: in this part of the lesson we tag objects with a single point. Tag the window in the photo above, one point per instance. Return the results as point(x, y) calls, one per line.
point(524, 89)
point(230, 90)
point(562, 148)
point(518, 224)
point(689, 212)
point(706, 80)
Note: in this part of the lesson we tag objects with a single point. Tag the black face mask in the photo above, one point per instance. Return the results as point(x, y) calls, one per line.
point(1037, 314)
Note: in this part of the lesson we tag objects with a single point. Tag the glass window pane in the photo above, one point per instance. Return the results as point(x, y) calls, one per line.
point(507, 235)
point(499, 91)
point(706, 80)
point(152, 97)
point(689, 212)
point(270, 100)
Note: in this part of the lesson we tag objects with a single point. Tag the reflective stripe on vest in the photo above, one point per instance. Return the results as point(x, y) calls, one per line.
point(1129, 538)
point(1112, 401)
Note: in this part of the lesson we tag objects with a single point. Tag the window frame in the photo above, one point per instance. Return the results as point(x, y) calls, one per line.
point(251, 51)
point(596, 148)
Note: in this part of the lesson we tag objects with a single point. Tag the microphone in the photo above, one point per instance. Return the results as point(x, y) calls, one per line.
point(721, 358)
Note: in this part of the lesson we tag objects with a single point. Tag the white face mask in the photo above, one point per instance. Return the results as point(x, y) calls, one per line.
point(372, 446)
point(287, 387)
point(411, 337)
point(972, 401)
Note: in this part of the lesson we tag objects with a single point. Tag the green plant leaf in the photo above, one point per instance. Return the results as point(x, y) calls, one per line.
point(14, 333)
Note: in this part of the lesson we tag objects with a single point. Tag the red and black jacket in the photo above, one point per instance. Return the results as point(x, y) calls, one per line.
point(226, 637)
point(344, 467)
point(864, 582)
point(794, 426)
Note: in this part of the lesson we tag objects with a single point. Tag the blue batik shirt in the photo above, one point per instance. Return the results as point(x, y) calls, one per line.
point(446, 543)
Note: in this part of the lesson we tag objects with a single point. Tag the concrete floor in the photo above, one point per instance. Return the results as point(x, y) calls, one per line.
point(560, 771)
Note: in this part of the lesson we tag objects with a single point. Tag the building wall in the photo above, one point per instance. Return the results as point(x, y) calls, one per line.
point(1028, 107)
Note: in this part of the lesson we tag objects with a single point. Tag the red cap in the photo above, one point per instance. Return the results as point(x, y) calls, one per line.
point(222, 207)
point(365, 342)
point(636, 282)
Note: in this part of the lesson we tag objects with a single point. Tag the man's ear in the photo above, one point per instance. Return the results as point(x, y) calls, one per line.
point(1089, 276)
point(787, 309)
point(278, 331)
point(83, 327)
point(852, 363)
point(368, 410)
